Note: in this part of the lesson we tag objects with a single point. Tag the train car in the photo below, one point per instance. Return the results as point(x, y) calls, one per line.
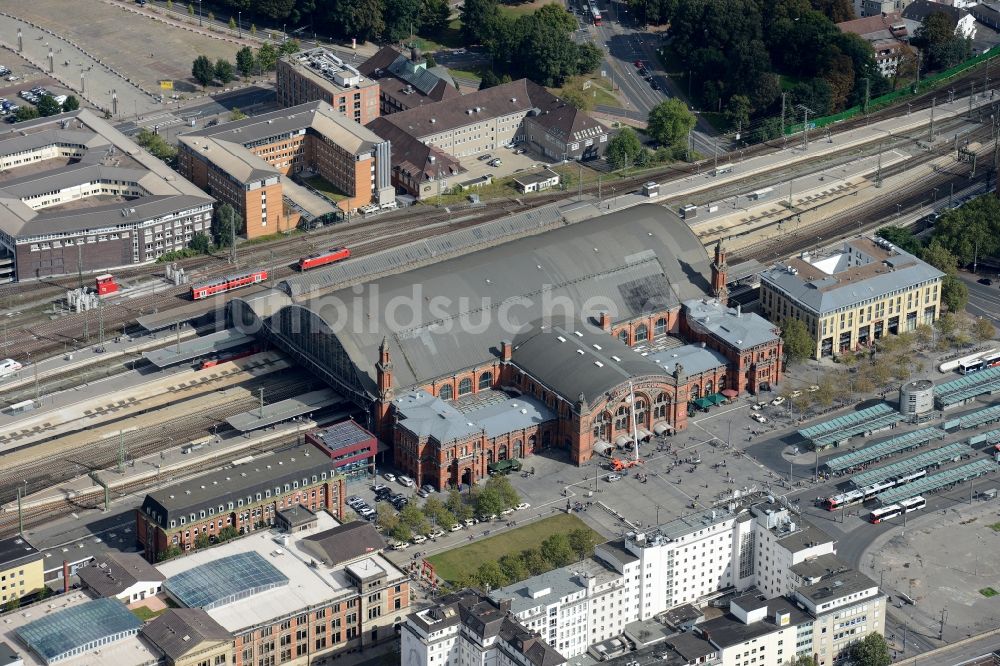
point(105, 284)
point(228, 283)
point(9, 366)
point(323, 258)
point(225, 358)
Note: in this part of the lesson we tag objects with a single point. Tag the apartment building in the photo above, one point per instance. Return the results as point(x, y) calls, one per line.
point(21, 569)
point(853, 296)
point(319, 75)
point(247, 163)
point(78, 195)
point(780, 544)
point(469, 628)
point(295, 598)
point(243, 497)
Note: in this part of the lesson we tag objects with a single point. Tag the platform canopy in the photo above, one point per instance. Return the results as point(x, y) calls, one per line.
point(201, 346)
point(287, 409)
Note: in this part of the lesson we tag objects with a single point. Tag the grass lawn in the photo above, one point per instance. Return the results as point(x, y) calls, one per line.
point(522, 8)
point(988, 592)
point(145, 614)
point(599, 92)
point(460, 562)
point(325, 187)
point(450, 39)
point(466, 74)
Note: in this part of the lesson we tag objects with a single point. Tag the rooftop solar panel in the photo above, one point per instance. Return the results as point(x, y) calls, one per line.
point(79, 629)
point(224, 581)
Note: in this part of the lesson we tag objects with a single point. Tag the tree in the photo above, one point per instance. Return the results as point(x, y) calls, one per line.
point(275, 9)
point(402, 17)
point(557, 550)
point(669, 122)
point(765, 130)
point(925, 334)
point(582, 540)
point(983, 329)
point(901, 238)
point(289, 46)
point(435, 15)
point(48, 106)
point(576, 98)
point(25, 112)
point(798, 343)
point(232, 23)
point(15, 602)
point(623, 148)
point(245, 61)
point(411, 515)
point(433, 509)
point(253, 29)
point(738, 112)
point(502, 485)
point(168, 553)
point(224, 71)
point(456, 504)
point(871, 651)
point(401, 532)
point(513, 568)
point(200, 243)
point(489, 575)
point(385, 518)
point(190, 9)
point(236, 114)
point(803, 660)
point(267, 56)
point(954, 293)
point(938, 256)
point(489, 502)
point(71, 103)
point(363, 19)
point(479, 18)
point(202, 70)
point(225, 225)
point(534, 561)
point(201, 541)
point(156, 145)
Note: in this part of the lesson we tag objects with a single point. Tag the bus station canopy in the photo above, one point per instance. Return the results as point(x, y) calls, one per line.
point(880, 450)
point(967, 387)
point(844, 427)
point(974, 419)
point(987, 438)
point(925, 460)
point(935, 482)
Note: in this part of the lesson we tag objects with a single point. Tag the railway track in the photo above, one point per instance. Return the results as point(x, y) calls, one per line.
point(103, 453)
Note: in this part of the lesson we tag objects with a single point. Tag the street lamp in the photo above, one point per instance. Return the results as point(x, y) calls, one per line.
point(199, 13)
point(239, 23)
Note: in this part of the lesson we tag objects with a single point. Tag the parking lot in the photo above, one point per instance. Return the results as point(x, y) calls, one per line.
point(511, 163)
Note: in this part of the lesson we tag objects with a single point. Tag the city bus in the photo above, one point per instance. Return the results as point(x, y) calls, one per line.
point(975, 365)
point(893, 510)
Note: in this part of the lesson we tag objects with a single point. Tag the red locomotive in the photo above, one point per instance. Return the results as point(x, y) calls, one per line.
point(227, 283)
point(324, 258)
point(225, 358)
point(105, 285)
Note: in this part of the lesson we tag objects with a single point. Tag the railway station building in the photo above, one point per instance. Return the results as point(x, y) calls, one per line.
point(852, 297)
point(78, 195)
point(582, 338)
point(248, 163)
point(237, 500)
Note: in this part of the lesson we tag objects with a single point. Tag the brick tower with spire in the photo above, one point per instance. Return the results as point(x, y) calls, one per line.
point(719, 274)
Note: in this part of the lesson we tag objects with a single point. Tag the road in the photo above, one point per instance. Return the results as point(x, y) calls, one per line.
point(624, 44)
point(984, 300)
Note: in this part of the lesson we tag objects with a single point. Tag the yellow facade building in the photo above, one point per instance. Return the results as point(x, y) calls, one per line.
point(853, 296)
point(21, 570)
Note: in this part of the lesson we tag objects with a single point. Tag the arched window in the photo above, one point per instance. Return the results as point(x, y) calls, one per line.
point(602, 426)
point(518, 449)
point(623, 336)
point(502, 453)
point(640, 412)
point(661, 327)
point(641, 333)
point(532, 443)
point(722, 383)
point(661, 406)
point(695, 392)
point(708, 387)
point(621, 418)
point(446, 392)
point(485, 381)
point(465, 386)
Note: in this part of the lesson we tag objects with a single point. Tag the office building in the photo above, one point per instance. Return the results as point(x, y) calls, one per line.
point(248, 164)
point(77, 195)
point(319, 75)
point(406, 81)
point(351, 448)
point(237, 500)
point(20, 570)
point(851, 297)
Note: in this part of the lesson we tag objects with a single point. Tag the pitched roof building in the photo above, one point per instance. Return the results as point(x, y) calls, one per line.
point(406, 81)
point(189, 636)
point(125, 576)
point(887, 34)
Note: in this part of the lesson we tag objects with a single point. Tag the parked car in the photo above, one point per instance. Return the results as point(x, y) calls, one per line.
point(495, 163)
point(654, 85)
point(423, 493)
point(419, 539)
point(779, 400)
point(795, 394)
point(354, 499)
point(988, 282)
point(400, 545)
point(757, 406)
point(614, 477)
point(759, 418)
point(638, 63)
point(436, 533)
point(519, 151)
point(469, 522)
point(522, 506)
point(483, 158)
point(389, 476)
point(507, 511)
point(378, 488)
point(406, 481)
point(456, 527)
point(487, 518)
point(813, 388)
point(428, 487)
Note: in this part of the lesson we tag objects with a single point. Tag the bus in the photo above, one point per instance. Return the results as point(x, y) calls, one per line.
point(893, 510)
point(862, 495)
point(595, 14)
point(986, 361)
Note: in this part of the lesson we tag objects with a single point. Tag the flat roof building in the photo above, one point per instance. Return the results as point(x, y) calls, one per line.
point(237, 500)
point(77, 194)
point(21, 568)
point(351, 447)
point(850, 297)
point(279, 600)
point(80, 628)
point(319, 75)
point(247, 162)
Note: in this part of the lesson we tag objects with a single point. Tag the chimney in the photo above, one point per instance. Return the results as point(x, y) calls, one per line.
point(605, 322)
point(414, 54)
point(65, 577)
point(505, 605)
point(506, 350)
